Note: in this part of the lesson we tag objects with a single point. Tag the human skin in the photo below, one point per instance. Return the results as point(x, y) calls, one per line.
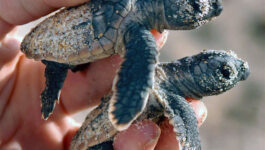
point(22, 80)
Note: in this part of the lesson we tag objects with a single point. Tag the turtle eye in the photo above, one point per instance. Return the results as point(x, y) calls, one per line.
point(226, 72)
point(197, 7)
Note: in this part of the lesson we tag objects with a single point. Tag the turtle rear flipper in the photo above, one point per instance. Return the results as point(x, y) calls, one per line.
point(103, 146)
point(181, 117)
point(55, 74)
point(135, 78)
point(80, 68)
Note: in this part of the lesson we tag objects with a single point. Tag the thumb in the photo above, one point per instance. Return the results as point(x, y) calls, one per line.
point(140, 136)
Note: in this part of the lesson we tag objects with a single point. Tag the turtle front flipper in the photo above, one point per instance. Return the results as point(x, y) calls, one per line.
point(181, 117)
point(55, 74)
point(134, 79)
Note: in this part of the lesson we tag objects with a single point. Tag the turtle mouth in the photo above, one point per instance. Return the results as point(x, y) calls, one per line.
point(245, 71)
point(202, 7)
point(211, 9)
point(217, 7)
point(205, 10)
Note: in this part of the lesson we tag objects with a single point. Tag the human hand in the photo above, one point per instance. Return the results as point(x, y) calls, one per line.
point(147, 135)
point(22, 80)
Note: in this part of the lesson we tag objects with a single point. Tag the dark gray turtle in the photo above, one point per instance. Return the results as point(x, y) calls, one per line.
point(101, 28)
point(208, 73)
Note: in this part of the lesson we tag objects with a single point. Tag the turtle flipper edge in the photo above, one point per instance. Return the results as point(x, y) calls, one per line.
point(182, 117)
point(134, 79)
point(55, 74)
point(103, 146)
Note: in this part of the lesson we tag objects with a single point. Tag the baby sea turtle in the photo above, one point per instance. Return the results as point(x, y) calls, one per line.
point(101, 28)
point(207, 73)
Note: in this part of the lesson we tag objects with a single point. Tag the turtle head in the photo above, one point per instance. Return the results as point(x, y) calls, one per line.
point(190, 14)
point(218, 71)
point(210, 72)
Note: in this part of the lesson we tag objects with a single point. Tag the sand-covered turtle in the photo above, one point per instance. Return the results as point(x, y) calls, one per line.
point(101, 28)
point(207, 73)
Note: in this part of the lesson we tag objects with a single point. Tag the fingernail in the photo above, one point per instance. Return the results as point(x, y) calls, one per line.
point(160, 38)
point(203, 115)
point(140, 136)
point(167, 140)
point(200, 111)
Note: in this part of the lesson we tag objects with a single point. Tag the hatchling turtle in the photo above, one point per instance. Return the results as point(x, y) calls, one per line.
point(207, 73)
point(101, 28)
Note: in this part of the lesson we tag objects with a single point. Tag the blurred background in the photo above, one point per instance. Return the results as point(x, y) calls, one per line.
point(236, 119)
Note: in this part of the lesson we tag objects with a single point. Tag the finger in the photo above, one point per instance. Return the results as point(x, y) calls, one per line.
point(10, 33)
point(68, 137)
point(200, 111)
point(11, 43)
point(4, 28)
point(140, 136)
point(161, 38)
point(63, 3)
point(84, 89)
point(167, 140)
point(70, 134)
point(16, 12)
point(9, 48)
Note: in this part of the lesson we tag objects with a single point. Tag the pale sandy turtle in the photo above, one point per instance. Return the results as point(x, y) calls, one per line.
point(101, 28)
point(207, 73)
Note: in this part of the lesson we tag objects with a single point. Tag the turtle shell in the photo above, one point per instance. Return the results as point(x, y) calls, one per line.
point(76, 35)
